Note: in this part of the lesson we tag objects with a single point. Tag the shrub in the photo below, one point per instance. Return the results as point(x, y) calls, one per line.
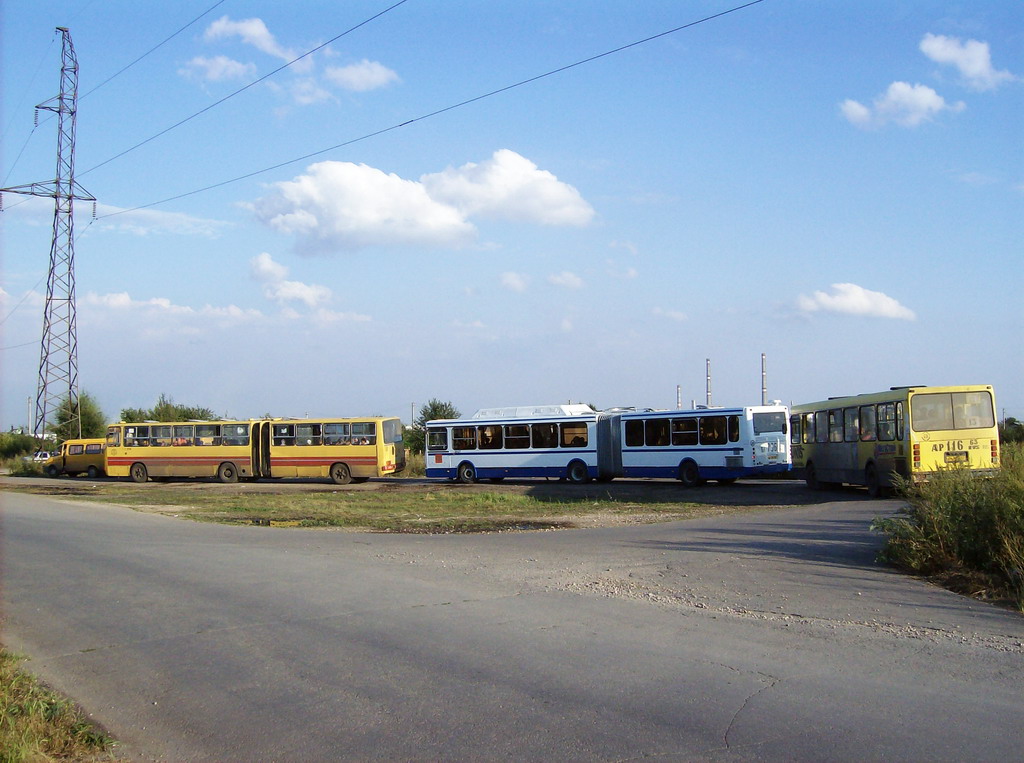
point(964, 528)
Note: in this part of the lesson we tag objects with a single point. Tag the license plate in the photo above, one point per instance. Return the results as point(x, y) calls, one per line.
point(959, 457)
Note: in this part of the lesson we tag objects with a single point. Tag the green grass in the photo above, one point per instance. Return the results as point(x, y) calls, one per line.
point(391, 508)
point(38, 725)
point(965, 531)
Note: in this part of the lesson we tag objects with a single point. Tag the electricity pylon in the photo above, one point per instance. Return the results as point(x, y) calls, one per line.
point(58, 354)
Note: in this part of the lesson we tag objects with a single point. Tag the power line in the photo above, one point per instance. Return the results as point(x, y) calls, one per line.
point(123, 69)
point(423, 117)
point(104, 82)
point(244, 88)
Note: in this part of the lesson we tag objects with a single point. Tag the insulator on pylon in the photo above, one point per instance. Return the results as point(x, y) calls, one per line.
point(94, 210)
point(35, 118)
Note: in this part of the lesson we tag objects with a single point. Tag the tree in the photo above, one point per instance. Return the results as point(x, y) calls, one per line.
point(167, 410)
point(94, 423)
point(1011, 430)
point(434, 409)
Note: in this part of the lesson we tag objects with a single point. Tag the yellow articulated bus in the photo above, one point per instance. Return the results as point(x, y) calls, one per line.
point(76, 457)
point(907, 431)
point(342, 450)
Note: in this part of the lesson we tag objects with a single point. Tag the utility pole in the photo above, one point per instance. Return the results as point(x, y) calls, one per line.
point(58, 354)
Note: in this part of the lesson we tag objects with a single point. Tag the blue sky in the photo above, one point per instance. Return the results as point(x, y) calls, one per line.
point(837, 185)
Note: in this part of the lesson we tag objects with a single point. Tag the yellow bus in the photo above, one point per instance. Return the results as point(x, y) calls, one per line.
point(907, 431)
point(343, 450)
point(77, 457)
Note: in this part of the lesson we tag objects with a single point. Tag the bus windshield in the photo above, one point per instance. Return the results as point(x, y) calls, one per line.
point(951, 410)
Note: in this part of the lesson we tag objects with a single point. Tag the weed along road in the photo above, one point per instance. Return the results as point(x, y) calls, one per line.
point(768, 635)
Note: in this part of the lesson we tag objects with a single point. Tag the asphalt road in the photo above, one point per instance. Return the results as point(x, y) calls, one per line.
point(768, 636)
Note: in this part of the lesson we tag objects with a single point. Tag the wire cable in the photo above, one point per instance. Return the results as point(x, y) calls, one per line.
point(243, 89)
point(151, 50)
point(423, 117)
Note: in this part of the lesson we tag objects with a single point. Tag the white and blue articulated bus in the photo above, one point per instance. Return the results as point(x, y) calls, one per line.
point(692, 446)
point(577, 443)
point(526, 441)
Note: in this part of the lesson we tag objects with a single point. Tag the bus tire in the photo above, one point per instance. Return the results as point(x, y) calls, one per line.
point(466, 473)
point(340, 474)
point(689, 474)
point(138, 473)
point(51, 471)
point(577, 473)
point(227, 472)
point(93, 472)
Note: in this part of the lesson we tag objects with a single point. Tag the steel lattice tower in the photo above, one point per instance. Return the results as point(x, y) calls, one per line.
point(58, 355)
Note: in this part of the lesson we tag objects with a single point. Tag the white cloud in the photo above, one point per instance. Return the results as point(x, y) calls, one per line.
point(297, 291)
point(972, 58)
point(263, 268)
point(852, 299)
point(360, 77)
point(511, 187)
point(566, 325)
point(306, 91)
point(337, 206)
point(566, 279)
point(903, 104)
point(275, 286)
point(345, 206)
point(217, 69)
point(514, 281)
point(675, 315)
point(252, 32)
point(140, 222)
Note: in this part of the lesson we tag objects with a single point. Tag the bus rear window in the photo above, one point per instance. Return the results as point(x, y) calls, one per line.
point(769, 422)
point(938, 411)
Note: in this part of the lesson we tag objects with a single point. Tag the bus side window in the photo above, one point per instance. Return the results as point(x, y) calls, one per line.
point(490, 437)
point(899, 420)
point(113, 437)
point(794, 429)
point(821, 426)
point(712, 430)
point(574, 435)
point(808, 427)
point(437, 439)
point(656, 433)
point(464, 438)
point(634, 433)
point(886, 422)
point(545, 435)
point(868, 429)
point(835, 425)
point(851, 424)
point(734, 429)
point(684, 431)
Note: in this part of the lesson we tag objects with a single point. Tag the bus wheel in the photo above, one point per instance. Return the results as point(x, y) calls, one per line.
point(93, 472)
point(340, 474)
point(51, 471)
point(577, 473)
point(467, 473)
point(138, 473)
point(689, 474)
point(227, 472)
point(872, 481)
